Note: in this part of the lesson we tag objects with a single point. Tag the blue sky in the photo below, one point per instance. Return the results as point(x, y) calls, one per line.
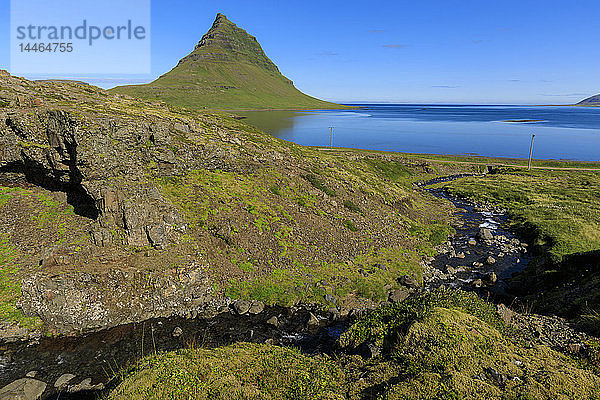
point(486, 52)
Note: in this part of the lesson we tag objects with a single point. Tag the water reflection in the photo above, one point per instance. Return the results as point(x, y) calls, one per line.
point(561, 132)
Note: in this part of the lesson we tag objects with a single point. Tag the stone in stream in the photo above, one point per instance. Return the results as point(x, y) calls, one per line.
point(313, 322)
point(472, 242)
point(273, 321)
point(490, 260)
point(477, 283)
point(257, 307)
point(63, 380)
point(31, 374)
point(241, 307)
point(23, 389)
point(177, 332)
point(460, 255)
point(491, 278)
point(85, 385)
point(485, 234)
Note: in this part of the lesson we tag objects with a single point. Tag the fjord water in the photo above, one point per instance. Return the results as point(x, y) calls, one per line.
point(561, 132)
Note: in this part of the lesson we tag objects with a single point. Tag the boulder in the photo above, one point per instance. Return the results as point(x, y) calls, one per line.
point(63, 380)
point(398, 295)
point(85, 385)
point(408, 281)
point(23, 389)
point(313, 322)
point(273, 321)
point(485, 234)
point(241, 307)
point(257, 307)
point(491, 278)
point(490, 260)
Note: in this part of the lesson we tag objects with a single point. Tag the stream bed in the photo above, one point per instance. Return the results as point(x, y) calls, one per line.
point(481, 255)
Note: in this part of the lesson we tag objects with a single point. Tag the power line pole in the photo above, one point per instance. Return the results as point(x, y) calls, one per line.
point(530, 152)
point(331, 131)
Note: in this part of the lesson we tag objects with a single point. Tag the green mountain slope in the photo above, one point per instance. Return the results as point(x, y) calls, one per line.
point(590, 101)
point(227, 70)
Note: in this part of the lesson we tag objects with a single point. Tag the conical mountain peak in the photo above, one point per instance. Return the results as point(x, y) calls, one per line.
point(227, 69)
point(225, 41)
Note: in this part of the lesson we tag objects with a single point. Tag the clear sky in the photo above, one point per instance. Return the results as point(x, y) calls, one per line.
point(486, 52)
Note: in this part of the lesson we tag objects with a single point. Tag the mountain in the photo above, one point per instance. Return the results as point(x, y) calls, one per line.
point(228, 69)
point(590, 101)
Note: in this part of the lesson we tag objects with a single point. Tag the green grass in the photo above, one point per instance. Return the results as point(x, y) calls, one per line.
point(319, 184)
point(443, 344)
point(309, 285)
point(559, 212)
point(240, 371)
point(559, 209)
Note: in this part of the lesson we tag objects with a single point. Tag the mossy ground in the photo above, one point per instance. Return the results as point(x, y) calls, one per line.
point(267, 219)
point(558, 211)
point(327, 227)
point(440, 345)
point(240, 371)
point(35, 221)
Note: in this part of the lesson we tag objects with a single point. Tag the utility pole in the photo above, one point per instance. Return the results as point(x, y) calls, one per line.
point(530, 152)
point(331, 131)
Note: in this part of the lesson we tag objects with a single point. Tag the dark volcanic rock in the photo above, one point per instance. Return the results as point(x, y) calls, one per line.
point(100, 165)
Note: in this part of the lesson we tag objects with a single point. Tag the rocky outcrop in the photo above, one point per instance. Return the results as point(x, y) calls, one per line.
point(83, 302)
point(101, 164)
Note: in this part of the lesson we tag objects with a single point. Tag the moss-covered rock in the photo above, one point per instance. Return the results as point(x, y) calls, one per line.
point(241, 371)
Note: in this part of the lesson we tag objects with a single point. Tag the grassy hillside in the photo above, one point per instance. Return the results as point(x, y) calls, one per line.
point(590, 101)
point(439, 345)
point(227, 70)
point(559, 212)
point(177, 190)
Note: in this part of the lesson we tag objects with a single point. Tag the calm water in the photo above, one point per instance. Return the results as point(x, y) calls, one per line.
point(561, 133)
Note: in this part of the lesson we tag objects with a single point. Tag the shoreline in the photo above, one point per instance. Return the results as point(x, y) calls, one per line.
point(474, 159)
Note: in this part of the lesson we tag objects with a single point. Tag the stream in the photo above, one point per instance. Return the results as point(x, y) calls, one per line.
point(469, 261)
point(483, 254)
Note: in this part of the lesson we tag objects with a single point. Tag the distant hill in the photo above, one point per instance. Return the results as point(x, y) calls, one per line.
point(228, 69)
point(590, 101)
